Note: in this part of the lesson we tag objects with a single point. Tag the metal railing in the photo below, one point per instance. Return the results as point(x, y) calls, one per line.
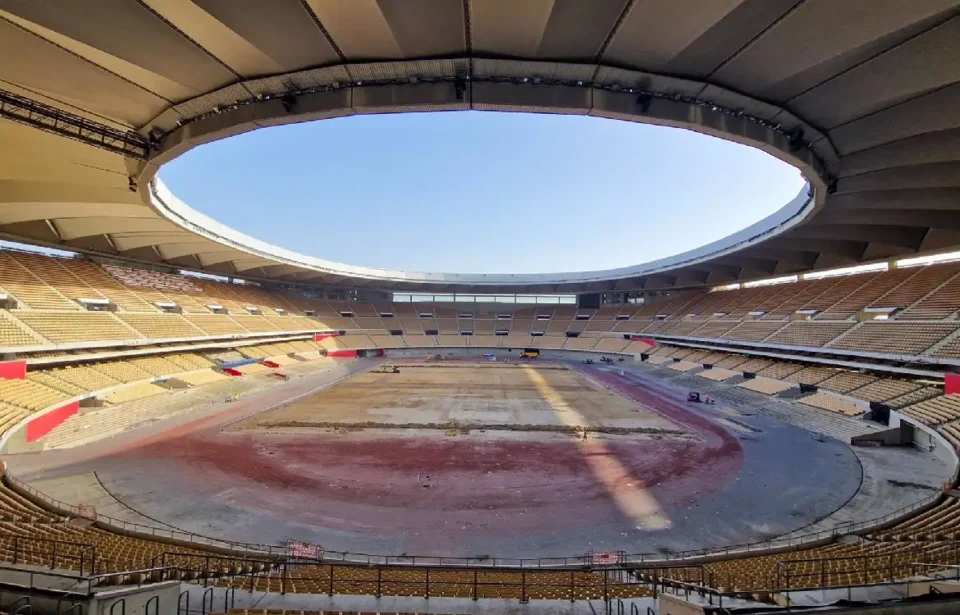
point(49, 552)
point(577, 561)
point(523, 585)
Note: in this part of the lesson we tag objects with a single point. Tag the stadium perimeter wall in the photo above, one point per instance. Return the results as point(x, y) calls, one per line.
point(480, 352)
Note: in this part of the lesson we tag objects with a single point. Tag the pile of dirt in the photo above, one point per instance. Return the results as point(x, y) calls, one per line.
point(462, 428)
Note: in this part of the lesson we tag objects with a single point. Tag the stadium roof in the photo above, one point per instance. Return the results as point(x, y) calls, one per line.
point(862, 95)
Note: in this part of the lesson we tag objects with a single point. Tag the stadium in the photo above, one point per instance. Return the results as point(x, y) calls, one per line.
point(193, 419)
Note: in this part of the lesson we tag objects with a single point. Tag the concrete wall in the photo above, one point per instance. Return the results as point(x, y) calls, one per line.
point(502, 353)
point(133, 600)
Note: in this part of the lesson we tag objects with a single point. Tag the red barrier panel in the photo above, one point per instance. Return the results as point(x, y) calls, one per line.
point(231, 372)
point(351, 354)
point(42, 425)
point(13, 370)
point(271, 364)
point(649, 341)
point(951, 384)
point(322, 336)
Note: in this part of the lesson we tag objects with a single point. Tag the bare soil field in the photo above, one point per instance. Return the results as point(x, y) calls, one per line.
point(545, 397)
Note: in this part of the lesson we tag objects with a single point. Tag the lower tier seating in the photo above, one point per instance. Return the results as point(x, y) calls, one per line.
point(830, 403)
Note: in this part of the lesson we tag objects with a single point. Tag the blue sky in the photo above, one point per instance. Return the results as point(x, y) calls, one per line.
point(478, 192)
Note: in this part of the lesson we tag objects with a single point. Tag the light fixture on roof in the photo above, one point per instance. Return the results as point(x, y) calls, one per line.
point(643, 102)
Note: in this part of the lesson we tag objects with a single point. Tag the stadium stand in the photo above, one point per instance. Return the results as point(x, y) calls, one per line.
point(13, 335)
point(780, 370)
point(940, 303)
point(64, 327)
point(805, 333)
point(950, 350)
point(765, 385)
point(935, 411)
point(831, 403)
point(717, 374)
point(867, 293)
point(895, 338)
point(159, 326)
point(141, 390)
point(921, 394)
point(211, 324)
point(846, 381)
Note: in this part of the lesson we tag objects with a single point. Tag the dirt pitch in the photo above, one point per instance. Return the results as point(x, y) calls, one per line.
point(541, 397)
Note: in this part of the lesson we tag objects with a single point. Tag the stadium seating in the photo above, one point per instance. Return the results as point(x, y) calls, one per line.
point(779, 370)
point(29, 394)
point(161, 325)
point(27, 288)
point(216, 324)
point(935, 411)
point(895, 338)
point(142, 390)
point(868, 293)
point(12, 335)
point(64, 327)
point(843, 381)
point(938, 304)
point(765, 385)
point(811, 374)
point(885, 388)
point(807, 333)
point(49, 287)
point(825, 401)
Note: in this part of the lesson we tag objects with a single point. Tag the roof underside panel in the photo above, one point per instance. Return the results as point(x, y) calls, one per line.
point(863, 95)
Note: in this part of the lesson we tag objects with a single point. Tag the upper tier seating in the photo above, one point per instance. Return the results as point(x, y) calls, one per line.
point(161, 325)
point(215, 324)
point(924, 280)
point(47, 288)
point(894, 338)
point(715, 328)
point(32, 291)
point(152, 279)
point(808, 333)
point(64, 327)
point(108, 286)
point(942, 303)
point(867, 294)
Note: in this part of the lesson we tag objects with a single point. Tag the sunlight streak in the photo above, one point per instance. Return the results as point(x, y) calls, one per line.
point(633, 500)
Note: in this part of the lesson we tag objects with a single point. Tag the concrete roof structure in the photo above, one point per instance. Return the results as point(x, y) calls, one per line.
point(862, 95)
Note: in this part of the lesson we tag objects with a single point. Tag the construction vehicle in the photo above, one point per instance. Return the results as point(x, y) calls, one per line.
point(696, 398)
point(530, 353)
